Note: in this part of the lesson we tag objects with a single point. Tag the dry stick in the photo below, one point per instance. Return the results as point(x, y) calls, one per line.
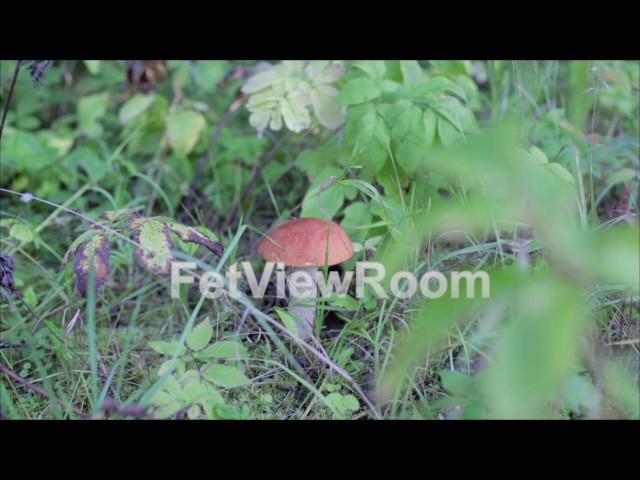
point(9, 95)
point(11, 374)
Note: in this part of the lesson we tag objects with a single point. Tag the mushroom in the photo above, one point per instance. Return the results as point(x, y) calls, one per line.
point(305, 244)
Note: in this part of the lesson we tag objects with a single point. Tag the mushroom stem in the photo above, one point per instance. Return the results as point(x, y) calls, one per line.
point(303, 305)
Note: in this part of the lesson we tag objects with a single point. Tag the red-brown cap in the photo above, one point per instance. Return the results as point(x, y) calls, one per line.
point(306, 242)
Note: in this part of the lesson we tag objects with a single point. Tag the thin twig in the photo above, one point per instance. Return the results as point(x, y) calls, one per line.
point(9, 95)
point(25, 383)
point(255, 171)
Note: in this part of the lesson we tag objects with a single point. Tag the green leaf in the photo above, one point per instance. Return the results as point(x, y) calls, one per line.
point(154, 252)
point(560, 172)
point(207, 73)
point(447, 133)
point(356, 215)
point(86, 158)
point(165, 348)
point(430, 124)
point(21, 232)
point(335, 400)
point(372, 137)
point(224, 349)
point(452, 111)
point(184, 129)
point(359, 90)
point(411, 72)
point(346, 303)
point(538, 155)
point(329, 113)
point(178, 365)
point(437, 86)
point(226, 376)
point(288, 321)
point(231, 412)
point(374, 68)
point(408, 135)
point(30, 297)
point(134, 107)
point(25, 151)
point(349, 402)
point(94, 252)
point(93, 66)
point(91, 109)
point(455, 382)
point(323, 199)
point(200, 336)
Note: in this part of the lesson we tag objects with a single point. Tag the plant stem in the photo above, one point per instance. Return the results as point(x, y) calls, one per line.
point(9, 95)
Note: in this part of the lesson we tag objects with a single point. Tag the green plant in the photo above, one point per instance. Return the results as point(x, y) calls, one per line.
point(196, 374)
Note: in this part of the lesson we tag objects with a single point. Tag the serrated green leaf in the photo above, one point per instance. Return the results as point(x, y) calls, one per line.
point(154, 252)
point(372, 139)
point(164, 348)
point(452, 111)
point(408, 135)
point(447, 133)
point(437, 86)
point(183, 130)
point(226, 376)
point(200, 336)
point(430, 125)
point(411, 72)
point(359, 90)
point(224, 349)
point(373, 68)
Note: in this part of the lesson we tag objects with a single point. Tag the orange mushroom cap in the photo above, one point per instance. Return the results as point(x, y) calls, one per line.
point(307, 242)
